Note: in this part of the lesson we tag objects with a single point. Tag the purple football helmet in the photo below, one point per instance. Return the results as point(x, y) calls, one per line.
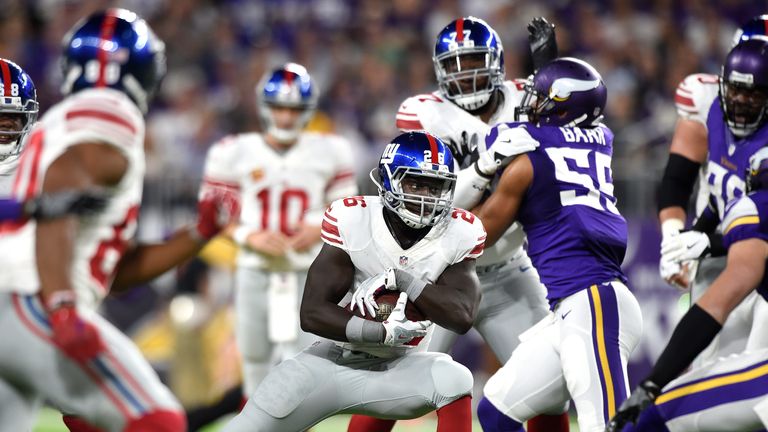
point(757, 171)
point(565, 92)
point(756, 28)
point(744, 87)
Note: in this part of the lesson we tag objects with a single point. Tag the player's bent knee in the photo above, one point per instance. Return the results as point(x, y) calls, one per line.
point(452, 380)
point(159, 421)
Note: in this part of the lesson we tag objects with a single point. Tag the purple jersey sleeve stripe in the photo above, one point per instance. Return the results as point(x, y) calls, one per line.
point(10, 210)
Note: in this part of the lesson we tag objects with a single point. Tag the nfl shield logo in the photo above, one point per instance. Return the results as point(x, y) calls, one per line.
point(403, 260)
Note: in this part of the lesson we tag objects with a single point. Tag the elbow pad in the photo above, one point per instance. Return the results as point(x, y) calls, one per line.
point(677, 184)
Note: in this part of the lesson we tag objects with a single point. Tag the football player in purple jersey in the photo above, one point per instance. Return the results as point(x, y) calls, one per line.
point(728, 394)
point(561, 191)
point(699, 133)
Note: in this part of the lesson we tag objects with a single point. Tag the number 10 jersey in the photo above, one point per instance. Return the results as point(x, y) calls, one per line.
point(279, 191)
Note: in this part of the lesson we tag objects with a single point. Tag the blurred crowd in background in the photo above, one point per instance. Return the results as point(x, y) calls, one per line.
point(367, 56)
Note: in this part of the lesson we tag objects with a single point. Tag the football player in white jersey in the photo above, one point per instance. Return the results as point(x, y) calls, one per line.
point(18, 112)
point(54, 346)
point(472, 97)
point(409, 238)
point(687, 165)
point(284, 179)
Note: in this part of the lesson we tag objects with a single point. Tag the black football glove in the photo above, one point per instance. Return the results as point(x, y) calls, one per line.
point(630, 410)
point(70, 202)
point(462, 147)
point(542, 41)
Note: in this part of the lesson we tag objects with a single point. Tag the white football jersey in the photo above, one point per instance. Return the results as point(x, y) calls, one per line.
point(94, 115)
point(693, 98)
point(7, 172)
point(278, 191)
point(356, 225)
point(447, 121)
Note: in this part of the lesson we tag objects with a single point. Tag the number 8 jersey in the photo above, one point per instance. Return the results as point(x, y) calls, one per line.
point(576, 236)
point(99, 115)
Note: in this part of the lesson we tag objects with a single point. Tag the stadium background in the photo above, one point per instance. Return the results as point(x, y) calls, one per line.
point(366, 56)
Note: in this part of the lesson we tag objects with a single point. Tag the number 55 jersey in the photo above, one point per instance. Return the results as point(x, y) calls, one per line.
point(576, 236)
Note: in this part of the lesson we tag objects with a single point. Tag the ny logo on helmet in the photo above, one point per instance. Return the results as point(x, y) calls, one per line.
point(389, 153)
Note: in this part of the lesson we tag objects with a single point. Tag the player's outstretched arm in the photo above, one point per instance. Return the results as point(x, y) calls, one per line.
point(699, 326)
point(144, 262)
point(452, 302)
point(330, 277)
point(500, 209)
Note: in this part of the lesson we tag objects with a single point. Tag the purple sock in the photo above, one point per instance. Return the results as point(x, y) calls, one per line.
point(10, 210)
point(492, 420)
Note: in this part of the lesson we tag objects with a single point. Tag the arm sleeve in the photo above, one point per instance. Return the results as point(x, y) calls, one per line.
point(331, 230)
point(742, 222)
point(471, 235)
point(693, 333)
point(676, 186)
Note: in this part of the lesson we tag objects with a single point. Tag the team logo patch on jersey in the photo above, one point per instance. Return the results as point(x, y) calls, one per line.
point(257, 174)
point(403, 260)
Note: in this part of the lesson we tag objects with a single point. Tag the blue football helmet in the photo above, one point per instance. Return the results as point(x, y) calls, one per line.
point(469, 62)
point(288, 86)
point(18, 107)
point(756, 28)
point(417, 179)
point(757, 171)
point(116, 49)
point(564, 92)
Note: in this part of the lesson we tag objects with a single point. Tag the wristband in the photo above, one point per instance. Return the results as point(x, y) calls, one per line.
point(240, 235)
point(671, 226)
point(360, 330)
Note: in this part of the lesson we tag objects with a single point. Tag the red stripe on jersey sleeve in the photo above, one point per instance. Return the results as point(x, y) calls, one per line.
point(103, 116)
point(331, 218)
point(684, 101)
point(478, 249)
point(408, 124)
point(331, 240)
point(330, 228)
point(221, 184)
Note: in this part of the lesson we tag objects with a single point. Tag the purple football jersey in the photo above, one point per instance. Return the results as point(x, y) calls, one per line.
point(576, 236)
point(746, 218)
point(728, 157)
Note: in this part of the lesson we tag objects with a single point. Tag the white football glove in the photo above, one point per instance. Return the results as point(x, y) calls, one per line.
point(686, 246)
point(500, 146)
point(399, 330)
point(363, 296)
point(668, 269)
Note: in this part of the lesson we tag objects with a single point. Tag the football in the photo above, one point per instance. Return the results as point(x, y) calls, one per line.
point(386, 301)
